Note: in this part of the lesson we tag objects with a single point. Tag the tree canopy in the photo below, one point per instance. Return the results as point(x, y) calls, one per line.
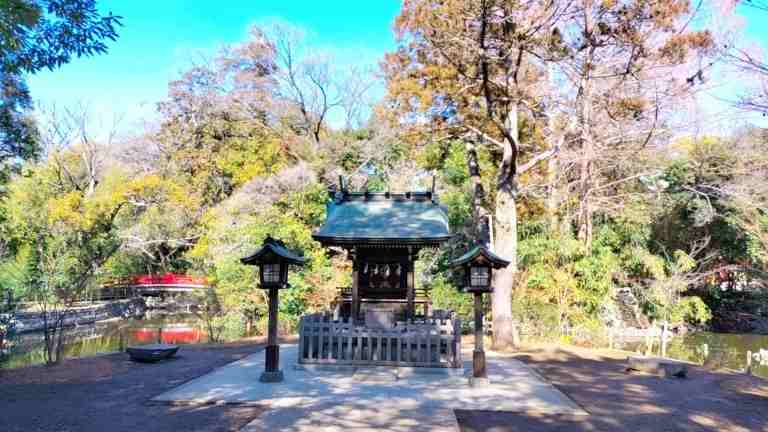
point(559, 134)
point(36, 35)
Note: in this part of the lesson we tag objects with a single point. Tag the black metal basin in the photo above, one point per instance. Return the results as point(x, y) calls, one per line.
point(151, 352)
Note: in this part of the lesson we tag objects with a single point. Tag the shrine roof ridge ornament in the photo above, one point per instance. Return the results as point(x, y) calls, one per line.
point(342, 196)
point(273, 248)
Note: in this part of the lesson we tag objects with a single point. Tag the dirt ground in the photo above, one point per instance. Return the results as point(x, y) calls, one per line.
point(111, 393)
point(621, 401)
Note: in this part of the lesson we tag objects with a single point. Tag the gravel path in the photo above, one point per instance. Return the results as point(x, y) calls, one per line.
point(111, 393)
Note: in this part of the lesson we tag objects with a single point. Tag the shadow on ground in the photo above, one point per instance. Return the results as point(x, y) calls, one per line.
point(111, 393)
point(373, 398)
point(620, 401)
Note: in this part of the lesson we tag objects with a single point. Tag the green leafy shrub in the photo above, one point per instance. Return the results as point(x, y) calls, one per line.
point(536, 319)
point(691, 310)
point(446, 296)
point(286, 324)
point(231, 326)
point(588, 331)
point(459, 203)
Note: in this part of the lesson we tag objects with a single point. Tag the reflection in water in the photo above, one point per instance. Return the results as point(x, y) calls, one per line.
point(730, 350)
point(113, 336)
point(171, 334)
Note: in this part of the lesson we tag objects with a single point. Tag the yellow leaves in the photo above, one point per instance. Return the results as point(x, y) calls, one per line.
point(151, 183)
point(251, 157)
point(653, 264)
point(201, 250)
point(683, 262)
point(83, 209)
point(702, 149)
point(42, 201)
point(153, 188)
point(66, 209)
point(683, 145)
point(183, 196)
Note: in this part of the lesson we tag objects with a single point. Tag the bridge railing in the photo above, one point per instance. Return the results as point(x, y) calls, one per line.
point(168, 279)
point(135, 285)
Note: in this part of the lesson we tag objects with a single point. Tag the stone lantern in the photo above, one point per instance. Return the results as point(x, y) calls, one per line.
point(273, 260)
point(478, 264)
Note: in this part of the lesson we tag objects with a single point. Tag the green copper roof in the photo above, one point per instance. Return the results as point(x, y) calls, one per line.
point(480, 251)
point(384, 218)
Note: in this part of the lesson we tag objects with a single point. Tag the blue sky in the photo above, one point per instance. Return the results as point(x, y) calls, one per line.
point(160, 37)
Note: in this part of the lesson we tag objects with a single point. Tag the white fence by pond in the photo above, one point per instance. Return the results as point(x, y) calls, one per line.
point(431, 342)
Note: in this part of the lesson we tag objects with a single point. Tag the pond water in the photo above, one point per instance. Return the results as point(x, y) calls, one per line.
point(730, 348)
point(112, 336)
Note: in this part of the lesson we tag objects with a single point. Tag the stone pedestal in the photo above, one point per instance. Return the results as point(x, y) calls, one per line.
point(271, 377)
point(478, 364)
point(478, 381)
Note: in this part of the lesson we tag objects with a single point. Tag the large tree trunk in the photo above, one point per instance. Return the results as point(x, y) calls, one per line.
point(505, 334)
point(481, 226)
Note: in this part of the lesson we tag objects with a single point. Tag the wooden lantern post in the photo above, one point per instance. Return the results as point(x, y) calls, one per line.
point(273, 260)
point(478, 264)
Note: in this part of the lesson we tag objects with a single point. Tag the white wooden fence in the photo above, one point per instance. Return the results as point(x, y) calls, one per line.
point(432, 342)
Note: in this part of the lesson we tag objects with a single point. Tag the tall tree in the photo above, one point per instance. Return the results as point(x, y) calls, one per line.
point(625, 62)
point(64, 215)
point(39, 34)
point(219, 130)
point(473, 67)
point(310, 85)
point(36, 35)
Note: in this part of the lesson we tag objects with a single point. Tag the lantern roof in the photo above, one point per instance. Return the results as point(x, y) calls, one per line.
point(385, 219)
point(481, 254)
point(273, 250)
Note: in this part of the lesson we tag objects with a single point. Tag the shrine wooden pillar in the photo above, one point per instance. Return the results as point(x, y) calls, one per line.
point(355, 306)
point(272, 364)
point(478, 355)
point(410, 288)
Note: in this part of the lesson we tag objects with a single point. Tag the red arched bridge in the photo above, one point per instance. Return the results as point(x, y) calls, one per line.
point(152, 285)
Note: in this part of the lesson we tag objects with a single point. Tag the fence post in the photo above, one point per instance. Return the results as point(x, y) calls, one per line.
point(748, 370)
point(457, 340)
